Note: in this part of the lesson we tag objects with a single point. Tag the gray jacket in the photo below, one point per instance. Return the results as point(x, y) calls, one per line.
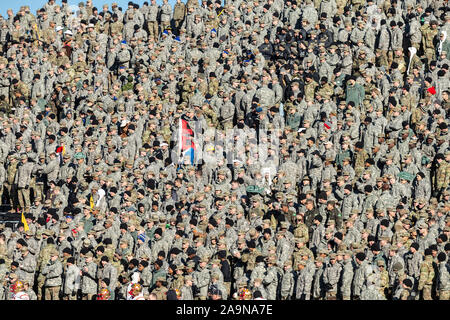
point(53, 273)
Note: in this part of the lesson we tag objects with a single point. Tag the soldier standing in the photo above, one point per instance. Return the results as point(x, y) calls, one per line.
point(160, 290)
point(179, 12)
point(331, 277)
point(303, 282)
point(72, 280)
point(166, 15)
point(23, 179)
point(443, 278)
point(287, 282)
point(346, 276)
point(429, 33)
point(88, 277)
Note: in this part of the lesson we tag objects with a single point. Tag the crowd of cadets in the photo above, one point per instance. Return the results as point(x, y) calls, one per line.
point(350, 202)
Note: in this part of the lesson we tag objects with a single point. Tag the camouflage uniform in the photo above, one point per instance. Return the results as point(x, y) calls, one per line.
point(426, 277)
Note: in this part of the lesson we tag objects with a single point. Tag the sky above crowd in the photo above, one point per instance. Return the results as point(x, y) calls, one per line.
point(37, 4)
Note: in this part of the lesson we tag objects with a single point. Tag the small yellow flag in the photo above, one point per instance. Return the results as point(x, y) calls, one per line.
point(91, 200)
point(37, 31)
point(24, 221)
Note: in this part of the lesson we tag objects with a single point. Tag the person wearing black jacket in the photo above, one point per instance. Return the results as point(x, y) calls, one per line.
point(325, 35)
point(266, 48)
point(226, 270)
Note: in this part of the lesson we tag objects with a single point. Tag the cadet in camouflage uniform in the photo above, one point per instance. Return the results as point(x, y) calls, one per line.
point(287, 282)
point(44, 256)
point(331, 277)
point(88, 274)
point(426, 275)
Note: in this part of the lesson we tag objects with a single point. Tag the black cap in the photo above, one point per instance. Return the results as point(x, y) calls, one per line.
point(408, 283)
point(359, 145)
point(159, 263)
point(360, 256)
point(385, 222)
point(259, 259)
point(143, 263)
point(134, 262)
point(221, 254)
point(22, 242)
point(375, 247)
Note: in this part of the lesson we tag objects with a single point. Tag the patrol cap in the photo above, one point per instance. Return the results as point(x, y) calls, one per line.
point(422, 225)
point(397, 266)
point(48, 232)
point(319, 259)
point(348, 252)
point(393, 248)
